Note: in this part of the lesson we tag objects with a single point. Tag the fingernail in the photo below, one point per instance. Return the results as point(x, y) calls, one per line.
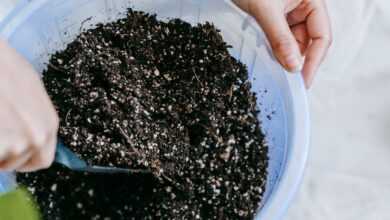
point(294, 63)
point(307, 85)
point(308, 79)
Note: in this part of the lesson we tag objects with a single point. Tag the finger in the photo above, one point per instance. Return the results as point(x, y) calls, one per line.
point(14, 140)
point(42, 132)
point(14, 161)
point(45, 140)
point(41, 128)
point(42, 158)
point(291, 5)
point(318, 27)
point(270, 15)
point(299, 14)
point(315, 55)
point(301, 36)
point(10, 144)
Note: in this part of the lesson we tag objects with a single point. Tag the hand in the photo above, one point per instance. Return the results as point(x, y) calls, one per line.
point(28, 120)
point(298, 30)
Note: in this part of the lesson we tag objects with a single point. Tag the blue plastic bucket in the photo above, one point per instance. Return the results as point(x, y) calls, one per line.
point(39, 28)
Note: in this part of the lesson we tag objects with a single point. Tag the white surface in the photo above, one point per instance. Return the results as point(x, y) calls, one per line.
point(348, 174)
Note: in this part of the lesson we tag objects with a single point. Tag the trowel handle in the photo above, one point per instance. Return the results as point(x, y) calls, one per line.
point(67, 158)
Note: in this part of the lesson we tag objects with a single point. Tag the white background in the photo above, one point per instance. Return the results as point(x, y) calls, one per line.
point(348, 172)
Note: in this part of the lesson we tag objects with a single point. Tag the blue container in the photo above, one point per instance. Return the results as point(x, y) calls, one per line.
point(39, 28)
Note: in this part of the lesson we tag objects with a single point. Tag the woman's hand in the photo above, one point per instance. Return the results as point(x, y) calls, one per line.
point(28, 120)
point(298, 30)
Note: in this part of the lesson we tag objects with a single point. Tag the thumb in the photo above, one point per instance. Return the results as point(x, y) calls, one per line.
point(270, 15)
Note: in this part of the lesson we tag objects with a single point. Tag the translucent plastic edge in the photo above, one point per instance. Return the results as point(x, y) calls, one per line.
point(21, 10)
point(294, 168)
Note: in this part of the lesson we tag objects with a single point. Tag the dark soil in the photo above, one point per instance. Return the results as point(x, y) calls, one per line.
point(164, 97)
